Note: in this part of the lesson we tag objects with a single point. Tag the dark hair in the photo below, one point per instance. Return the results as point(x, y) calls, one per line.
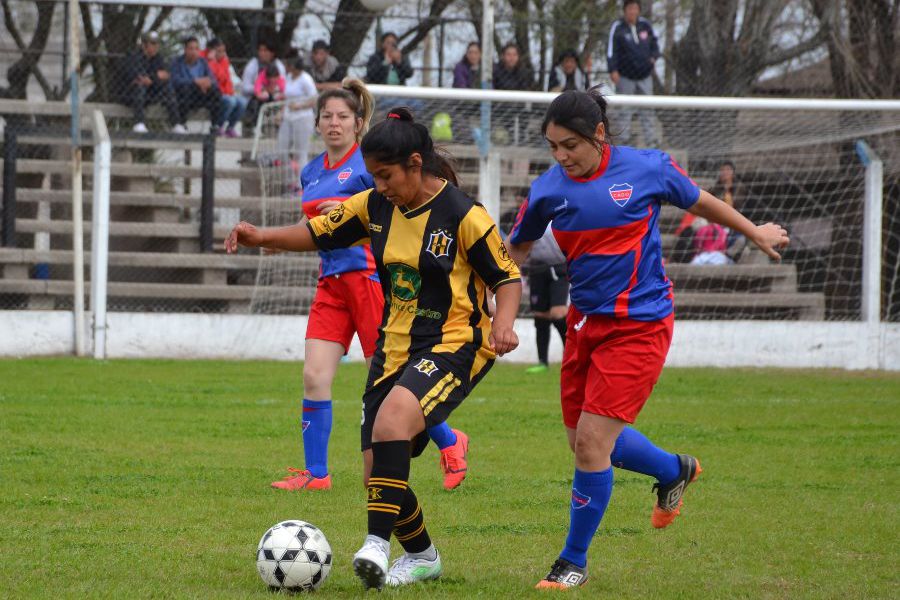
point(272, 71)
point(299, 63)
point(214, 43)
point(398, 137)
point(568, 53)
point(579, 111)
point(355, 94)
point(468, 46)
point(320, 45)
point(509, 45)
point(388, 34)
point(626, 3)
point(191, 38)
point(268, 44)
point(727, 163)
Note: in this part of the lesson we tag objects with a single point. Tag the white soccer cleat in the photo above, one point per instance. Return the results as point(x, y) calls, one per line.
point(139, 128)
point(180, 129)
point(371, 563)
point(408, 569)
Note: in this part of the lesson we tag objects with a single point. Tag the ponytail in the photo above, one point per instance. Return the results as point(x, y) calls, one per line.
point(399, 136)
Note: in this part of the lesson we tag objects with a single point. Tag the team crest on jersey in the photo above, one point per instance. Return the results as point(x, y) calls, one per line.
point(439, 243)
point(405, 281)
point(426, 367)
point(345, 175)
point(621, 193)
point(579, 500)
point(336, 214)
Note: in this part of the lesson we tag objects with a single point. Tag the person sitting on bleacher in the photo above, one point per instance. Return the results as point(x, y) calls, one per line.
point(145, 81)
point(266, 52)
point(233, 105)
point(195, 84)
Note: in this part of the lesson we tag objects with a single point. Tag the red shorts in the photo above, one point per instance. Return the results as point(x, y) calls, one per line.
point(610, 365)
point(345, 304)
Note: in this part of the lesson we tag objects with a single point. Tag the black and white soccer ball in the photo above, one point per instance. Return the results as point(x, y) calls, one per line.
point(294, 556)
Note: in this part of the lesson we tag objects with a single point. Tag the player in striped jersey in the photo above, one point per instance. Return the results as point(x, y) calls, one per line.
point(348, 297)
point(438, 255)
point(603, 203)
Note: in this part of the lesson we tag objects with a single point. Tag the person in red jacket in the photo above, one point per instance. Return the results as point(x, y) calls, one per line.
point(233, 105)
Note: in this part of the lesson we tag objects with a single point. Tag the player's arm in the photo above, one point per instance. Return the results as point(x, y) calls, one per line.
point(519, 252)
point(503, 336)
point(768, 237)
point(293, 238)
point(530, 225)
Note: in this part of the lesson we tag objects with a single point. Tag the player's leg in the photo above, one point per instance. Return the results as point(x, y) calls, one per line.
point(398, 420)
point(539, 282)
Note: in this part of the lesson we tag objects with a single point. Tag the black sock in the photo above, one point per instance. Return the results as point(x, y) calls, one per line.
point(410, 526)
point(387, 485)
point(560, 325)
point(542, 337)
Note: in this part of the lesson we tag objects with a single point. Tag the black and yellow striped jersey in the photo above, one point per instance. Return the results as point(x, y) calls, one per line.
point(435, 263)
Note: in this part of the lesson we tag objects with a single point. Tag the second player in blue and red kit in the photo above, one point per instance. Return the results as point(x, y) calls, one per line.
point(603, 203)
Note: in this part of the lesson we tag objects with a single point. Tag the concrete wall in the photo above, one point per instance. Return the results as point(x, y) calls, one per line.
point(696, 343)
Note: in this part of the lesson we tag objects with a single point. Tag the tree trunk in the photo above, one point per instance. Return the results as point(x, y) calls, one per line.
point(19, 72)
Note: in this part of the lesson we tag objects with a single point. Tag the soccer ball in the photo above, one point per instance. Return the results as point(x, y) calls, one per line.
point(294, 556)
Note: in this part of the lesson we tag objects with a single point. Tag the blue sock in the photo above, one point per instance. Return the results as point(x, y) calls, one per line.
point(634, 452)
point(316, 424)
point(590, 497)
point(442, 435)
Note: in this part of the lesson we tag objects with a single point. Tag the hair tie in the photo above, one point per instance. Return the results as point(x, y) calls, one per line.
point(393, 116)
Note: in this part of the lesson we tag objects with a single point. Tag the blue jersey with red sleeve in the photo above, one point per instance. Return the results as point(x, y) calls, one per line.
point(606, 225)
point(322, 181)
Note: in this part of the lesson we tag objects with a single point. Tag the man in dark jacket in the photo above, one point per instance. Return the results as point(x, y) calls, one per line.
point(631, 53)
point(145, 81)
point(388, 66)
point(195, 84)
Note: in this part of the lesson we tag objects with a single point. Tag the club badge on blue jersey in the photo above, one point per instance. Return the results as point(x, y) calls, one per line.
point(621, 193)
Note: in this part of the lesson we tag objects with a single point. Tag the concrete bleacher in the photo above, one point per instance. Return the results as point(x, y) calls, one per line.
point(156, 262)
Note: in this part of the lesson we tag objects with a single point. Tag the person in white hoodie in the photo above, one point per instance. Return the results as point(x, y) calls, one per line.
point(298, 121)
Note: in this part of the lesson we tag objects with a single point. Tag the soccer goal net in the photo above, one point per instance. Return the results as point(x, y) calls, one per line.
point(797, 163)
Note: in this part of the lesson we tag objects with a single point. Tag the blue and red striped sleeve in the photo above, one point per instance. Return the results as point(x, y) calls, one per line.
point(678, 187)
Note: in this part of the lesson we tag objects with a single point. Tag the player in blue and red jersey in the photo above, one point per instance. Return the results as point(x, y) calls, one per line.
point(349, 298)
point(603, 203)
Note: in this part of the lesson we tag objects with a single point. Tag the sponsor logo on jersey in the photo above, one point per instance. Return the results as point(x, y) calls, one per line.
point(579, 500)
point(405, 281)
point(621, 193)
point(336, 214)
point(439, 243)
point(344, 175)
point(426, 367)
point(375, 227)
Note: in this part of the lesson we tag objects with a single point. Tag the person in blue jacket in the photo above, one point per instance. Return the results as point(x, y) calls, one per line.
point(195, 84)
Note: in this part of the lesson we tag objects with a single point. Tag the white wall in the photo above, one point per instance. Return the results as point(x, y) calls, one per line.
point(696, 343)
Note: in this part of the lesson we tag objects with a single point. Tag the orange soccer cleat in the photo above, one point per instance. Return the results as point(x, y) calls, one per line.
point(453, 461)
point(669, 496)
point(302, 480)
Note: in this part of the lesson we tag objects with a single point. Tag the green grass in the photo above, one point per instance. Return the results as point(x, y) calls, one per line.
point(151, 478)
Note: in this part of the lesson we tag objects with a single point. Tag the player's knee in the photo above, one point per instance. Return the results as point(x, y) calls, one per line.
point(316, 381)
point(590, 447)
point(558, 312)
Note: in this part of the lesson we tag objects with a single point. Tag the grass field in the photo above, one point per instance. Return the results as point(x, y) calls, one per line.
point(151, 478)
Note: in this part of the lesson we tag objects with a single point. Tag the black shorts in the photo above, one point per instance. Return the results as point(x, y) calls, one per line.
point(548, 287)
point(439, 384)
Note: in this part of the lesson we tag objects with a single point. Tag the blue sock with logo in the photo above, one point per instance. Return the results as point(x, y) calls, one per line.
point(590, 497)
point(442, 435)
point(316, 423)
point(634, 452)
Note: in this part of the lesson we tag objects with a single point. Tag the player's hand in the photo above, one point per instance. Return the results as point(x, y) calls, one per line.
point(769, 237)
point(328, 206)
point(243, 234)
point(614, 76)
point(503, 338)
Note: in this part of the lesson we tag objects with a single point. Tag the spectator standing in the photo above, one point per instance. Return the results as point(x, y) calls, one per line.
point(631, 53)
point(233, 105)
point(388, 65)
point(325, 70)
point(195, 85)
point(511, 72)
point(467, 72)
point(298, 123)
point(145, 81)
point(567, 74)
